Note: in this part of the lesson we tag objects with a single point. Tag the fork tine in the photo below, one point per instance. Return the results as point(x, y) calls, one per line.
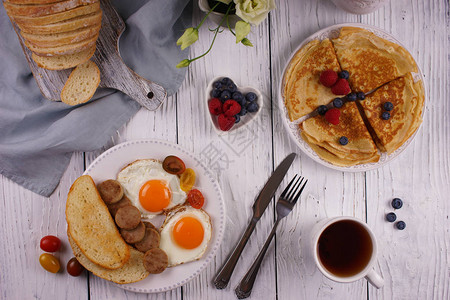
point(299, 193)
point(294, 188)
point(289, 185)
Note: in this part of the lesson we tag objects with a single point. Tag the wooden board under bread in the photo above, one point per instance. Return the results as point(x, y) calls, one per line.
point(114, 73)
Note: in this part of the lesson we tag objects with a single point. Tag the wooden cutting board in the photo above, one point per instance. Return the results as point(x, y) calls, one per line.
point(114, 73)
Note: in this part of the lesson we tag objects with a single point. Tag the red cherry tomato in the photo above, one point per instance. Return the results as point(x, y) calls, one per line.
point(50, 243)
point(173, 165)
point(74, 267)
point(49, 262)
point(195, 198)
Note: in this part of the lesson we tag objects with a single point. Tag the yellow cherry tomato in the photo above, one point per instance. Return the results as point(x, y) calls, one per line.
point(49, 262)
point(187, 180)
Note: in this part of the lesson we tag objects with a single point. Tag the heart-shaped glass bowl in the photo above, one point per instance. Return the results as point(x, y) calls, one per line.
point(246, 119)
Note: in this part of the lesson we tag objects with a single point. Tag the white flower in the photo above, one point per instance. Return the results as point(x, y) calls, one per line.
point(254, 11)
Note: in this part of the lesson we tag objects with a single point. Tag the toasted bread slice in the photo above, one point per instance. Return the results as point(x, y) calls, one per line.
point(62, 50)
point(62, 62)
point(92, 227)
point(60, 39)
point(82, 84)
point(37, 10)
point(55, 18)
point(32, 1)
point(132, 271)
point(64, 26)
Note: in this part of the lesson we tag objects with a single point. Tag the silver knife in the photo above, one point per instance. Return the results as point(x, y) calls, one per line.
point(262, 201)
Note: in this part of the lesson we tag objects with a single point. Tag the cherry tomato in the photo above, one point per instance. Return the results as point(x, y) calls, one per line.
point(49, 262)
point(195, 198)
point(74, 267)
point(173, 165)
point(187, 180)
point(50, 243)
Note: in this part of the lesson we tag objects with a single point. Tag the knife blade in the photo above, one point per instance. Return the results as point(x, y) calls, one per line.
point(262, 201)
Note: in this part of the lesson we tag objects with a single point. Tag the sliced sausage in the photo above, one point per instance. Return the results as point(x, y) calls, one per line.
point(114, 207)
point(133, 235)
point(110, 190)
point(155, 261)
point(150, 240)
point(128, 217)
point(150, 225)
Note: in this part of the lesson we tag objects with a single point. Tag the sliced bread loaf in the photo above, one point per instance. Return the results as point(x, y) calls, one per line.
point(62, 50)
point(61, 62)
point(132, 271)
point(36, 10)
point(58, 17)
point(82, 84)
point(92, 227)
point(32, 1)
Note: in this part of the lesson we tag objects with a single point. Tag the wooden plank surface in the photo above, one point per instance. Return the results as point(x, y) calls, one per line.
point(415, 262)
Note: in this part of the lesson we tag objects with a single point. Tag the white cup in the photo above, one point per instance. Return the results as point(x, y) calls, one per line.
point(360, 7)
point(368, 272)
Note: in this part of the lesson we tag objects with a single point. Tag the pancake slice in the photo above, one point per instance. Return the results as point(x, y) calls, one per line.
point(406, 116)
point(303, 92)
point(323, 138)
point(371, 60)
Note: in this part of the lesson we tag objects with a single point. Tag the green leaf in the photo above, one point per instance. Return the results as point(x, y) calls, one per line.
point(189, 37)
point(247, 42)
point(184, 63)
point(242, 29)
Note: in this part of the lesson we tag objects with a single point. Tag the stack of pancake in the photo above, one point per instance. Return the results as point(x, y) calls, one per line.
point(379, 68)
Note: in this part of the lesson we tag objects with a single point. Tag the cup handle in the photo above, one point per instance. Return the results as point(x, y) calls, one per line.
point(375, 279)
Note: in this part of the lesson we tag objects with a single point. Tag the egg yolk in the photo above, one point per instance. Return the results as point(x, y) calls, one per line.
point(188, 233)
point(154, 195)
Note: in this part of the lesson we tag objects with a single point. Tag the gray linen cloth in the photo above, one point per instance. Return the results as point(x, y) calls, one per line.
point(38, 136)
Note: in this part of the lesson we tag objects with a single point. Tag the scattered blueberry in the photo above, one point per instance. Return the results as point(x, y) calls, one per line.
point(391, 217)
point(343, 74)
point(360, 95)
point(232, 87)
point(226, 81)
point(337, 102)
point(225, 95)
point(237, 96)
point(243, 111)
point(217, 85)
point(238, 118)
point(216, 93)
point(388, 106)
point(351, 97)
point(343, 140)
point(252, 107)
point(321, 110)
point(397, 203)
point(251, 96)
point(385, 115)
point(400, 225)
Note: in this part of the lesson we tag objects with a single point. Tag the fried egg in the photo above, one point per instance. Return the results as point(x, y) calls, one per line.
point(185, 235)
point(150, 188)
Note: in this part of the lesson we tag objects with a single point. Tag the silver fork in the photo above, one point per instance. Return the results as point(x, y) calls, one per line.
point(284, 206)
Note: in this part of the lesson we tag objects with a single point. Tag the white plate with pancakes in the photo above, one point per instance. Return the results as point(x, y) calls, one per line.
point(292, 127)
point(108, 165)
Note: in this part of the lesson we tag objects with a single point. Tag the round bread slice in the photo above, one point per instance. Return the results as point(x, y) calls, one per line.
point(82, 84)
point(62, 62)
point(37, 10)
point(63, 50)
point(132, 271)
point(92, 227)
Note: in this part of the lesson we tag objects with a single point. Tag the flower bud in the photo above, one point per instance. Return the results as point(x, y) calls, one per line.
point(189, 37)
point(184, 63)
point(242, 29)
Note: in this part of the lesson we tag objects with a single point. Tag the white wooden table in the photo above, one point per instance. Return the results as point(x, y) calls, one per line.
point(415, 263)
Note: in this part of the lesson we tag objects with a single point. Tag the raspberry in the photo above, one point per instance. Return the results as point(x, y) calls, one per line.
point(341, 87)
point(328, 78)
point(225, 123)
point(231, 108)
point(332, 116)
point(215, 106)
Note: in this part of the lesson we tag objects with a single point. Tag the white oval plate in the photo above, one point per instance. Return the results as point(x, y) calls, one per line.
point(292, 127)
point(109, 163)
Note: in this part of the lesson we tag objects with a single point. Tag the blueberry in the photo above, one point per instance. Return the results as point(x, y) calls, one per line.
point(321, 110)
point(391, 217)
point(232, 87)
point(337, 102)
point(251, 96)
point(385, 115)
point(343, 140)
point(343, 74)
point(397, 203)
point(237, 96)
point(243, 111)
point(360, 96)
point(225, 95)
point(388, 106)
point(400, 225)
point(238, 118)
point(243, 102)
point(215, 93)
point(351, 97)
point(226, 81)
point(217, 85)
point(252, 107)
